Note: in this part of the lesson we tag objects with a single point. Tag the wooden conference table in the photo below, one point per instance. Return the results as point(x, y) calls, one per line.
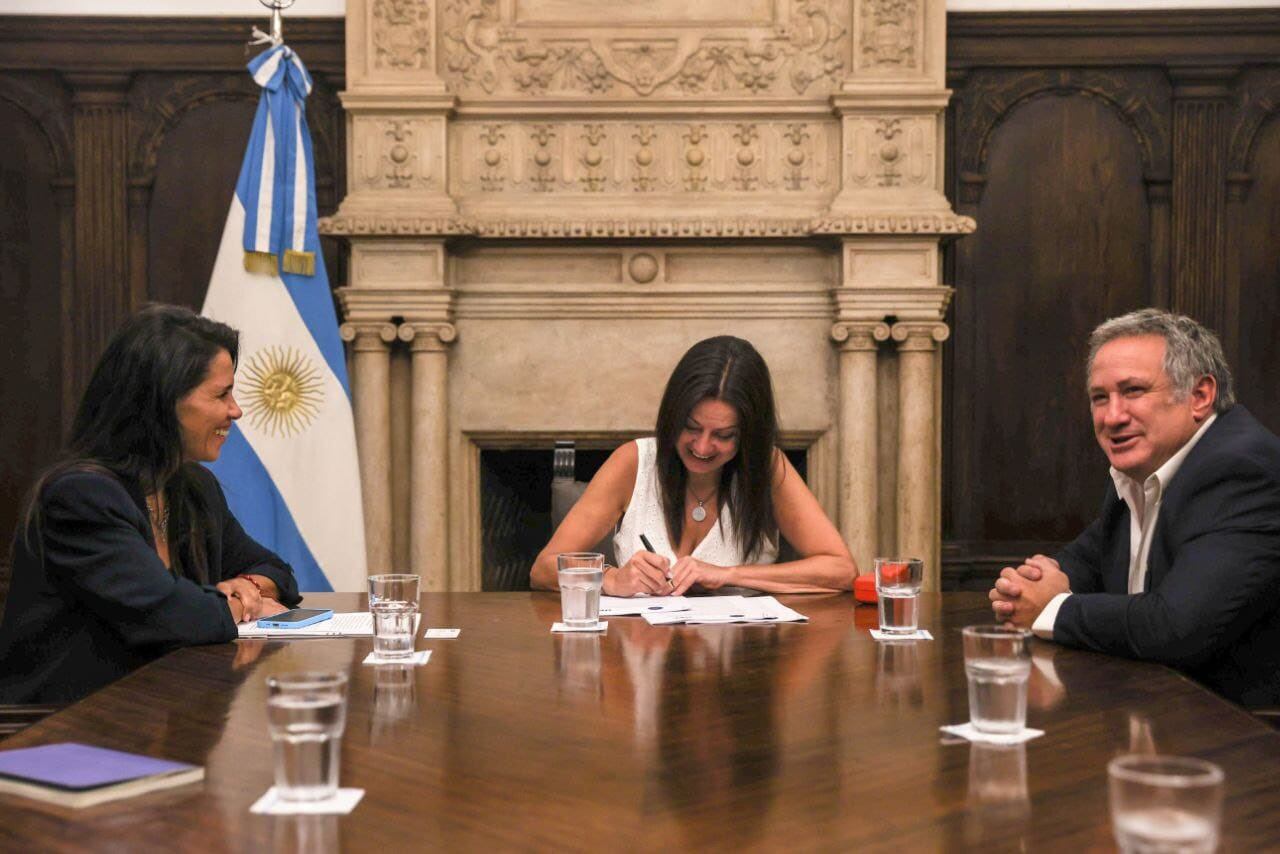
point(807, 737)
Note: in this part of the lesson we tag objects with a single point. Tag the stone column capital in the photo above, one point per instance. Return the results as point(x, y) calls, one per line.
point(914, 335)
point(860, 335)
point(371, 337)
point(428, 337)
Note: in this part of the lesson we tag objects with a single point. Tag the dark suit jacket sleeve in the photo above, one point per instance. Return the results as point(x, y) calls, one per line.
point(1226, 575)
point(1082, 559)
point(96, 554)
point(242, 554)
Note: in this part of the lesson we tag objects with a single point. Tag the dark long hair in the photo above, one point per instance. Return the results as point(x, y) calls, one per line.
point(728, 369)
point(127, 422)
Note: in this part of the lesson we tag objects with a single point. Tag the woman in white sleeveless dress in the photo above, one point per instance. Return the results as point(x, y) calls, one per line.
point(710, 492)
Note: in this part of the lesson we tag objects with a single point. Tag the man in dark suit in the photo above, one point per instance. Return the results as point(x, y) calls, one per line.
point(1182, 566)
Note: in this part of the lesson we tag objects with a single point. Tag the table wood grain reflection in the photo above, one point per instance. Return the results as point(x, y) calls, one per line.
point(811, 737)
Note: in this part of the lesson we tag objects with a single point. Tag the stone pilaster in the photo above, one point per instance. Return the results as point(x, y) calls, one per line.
point(859, 345)
point(919, 443)
point(429, 452)
point(371, 375)
point(398, 109)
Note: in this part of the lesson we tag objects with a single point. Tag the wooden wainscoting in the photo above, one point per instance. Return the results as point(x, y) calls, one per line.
point(1112, 161)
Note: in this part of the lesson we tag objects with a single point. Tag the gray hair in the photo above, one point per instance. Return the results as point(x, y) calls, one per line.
point(1190, 350)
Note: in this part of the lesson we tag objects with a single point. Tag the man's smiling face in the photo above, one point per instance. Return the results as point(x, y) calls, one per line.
point(1139, 418)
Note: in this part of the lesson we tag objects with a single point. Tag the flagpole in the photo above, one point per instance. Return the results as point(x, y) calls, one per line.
point(290, 468)
point(276, 36)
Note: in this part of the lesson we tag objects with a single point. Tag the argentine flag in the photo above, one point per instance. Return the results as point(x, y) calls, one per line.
point(289, 467)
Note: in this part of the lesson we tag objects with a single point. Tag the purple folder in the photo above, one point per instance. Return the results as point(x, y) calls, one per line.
point(78, 767)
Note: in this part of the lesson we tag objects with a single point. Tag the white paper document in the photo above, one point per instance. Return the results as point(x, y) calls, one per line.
point(727, 609)
point(354, 625)
point(634, 606)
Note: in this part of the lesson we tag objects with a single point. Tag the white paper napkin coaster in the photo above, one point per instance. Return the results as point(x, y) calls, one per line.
point(442, 633)
point(918, 634)
point(420, 657)
point(969, 733)
point(342, 802)
point(600, 626)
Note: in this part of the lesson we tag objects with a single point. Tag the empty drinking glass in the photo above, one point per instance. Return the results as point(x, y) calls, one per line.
point(1165, 804)
point(997, 663)
point(393, 588)
point(306, 714)
point(581, 575)
point(898, 583)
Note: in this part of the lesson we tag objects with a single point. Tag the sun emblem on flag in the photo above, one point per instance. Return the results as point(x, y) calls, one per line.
point(281, 391)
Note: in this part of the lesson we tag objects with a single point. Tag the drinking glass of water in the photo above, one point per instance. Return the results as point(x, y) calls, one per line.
point(1165, 804)
point(898, 583)
point(306, 714)
point(997, 662)
point(581, 575)
point(393, 628)
point(393, 588)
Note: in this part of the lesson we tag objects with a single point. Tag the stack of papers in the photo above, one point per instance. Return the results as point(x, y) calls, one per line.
point(669, 610)
point(354, 625)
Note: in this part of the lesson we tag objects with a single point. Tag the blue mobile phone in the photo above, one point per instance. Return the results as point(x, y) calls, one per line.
point(295, 619)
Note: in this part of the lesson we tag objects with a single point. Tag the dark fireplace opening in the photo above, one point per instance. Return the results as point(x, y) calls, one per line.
point(515, 508)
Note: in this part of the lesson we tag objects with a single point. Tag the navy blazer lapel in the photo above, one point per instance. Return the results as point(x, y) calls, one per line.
point(1115, 578)
point(1185, 483)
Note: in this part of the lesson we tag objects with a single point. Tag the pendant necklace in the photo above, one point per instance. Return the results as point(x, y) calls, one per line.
point(160, 521)
point(699, 513)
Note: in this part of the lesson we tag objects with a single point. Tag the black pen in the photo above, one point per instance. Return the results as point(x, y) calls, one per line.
point(648, 546)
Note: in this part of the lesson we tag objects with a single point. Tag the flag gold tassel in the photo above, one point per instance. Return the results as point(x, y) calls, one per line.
point(299, 263)
point(260, 262)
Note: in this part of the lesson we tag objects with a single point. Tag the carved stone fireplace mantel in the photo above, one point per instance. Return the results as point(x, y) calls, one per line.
point(550, 200)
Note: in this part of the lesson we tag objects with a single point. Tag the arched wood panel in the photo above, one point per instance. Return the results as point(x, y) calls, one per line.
point(1064, 242)
point(1257, 367)
point(30, 311)
point(197, 164)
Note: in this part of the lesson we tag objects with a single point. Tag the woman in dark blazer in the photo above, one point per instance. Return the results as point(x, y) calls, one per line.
point(126, 548)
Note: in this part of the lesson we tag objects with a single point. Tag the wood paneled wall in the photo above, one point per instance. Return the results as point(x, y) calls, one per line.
point(1111, 160)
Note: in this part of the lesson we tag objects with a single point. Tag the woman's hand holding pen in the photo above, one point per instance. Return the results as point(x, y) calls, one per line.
point(645, 572)
point(689, 571)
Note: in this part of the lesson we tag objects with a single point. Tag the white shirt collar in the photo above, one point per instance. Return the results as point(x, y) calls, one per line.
point(1162, 476)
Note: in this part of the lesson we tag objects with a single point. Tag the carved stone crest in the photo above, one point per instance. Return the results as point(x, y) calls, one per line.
point(798, 50)
point(402, 34)
point(889, 31)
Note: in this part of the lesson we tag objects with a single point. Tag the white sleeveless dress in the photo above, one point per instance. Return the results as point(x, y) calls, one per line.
point(644, 516)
